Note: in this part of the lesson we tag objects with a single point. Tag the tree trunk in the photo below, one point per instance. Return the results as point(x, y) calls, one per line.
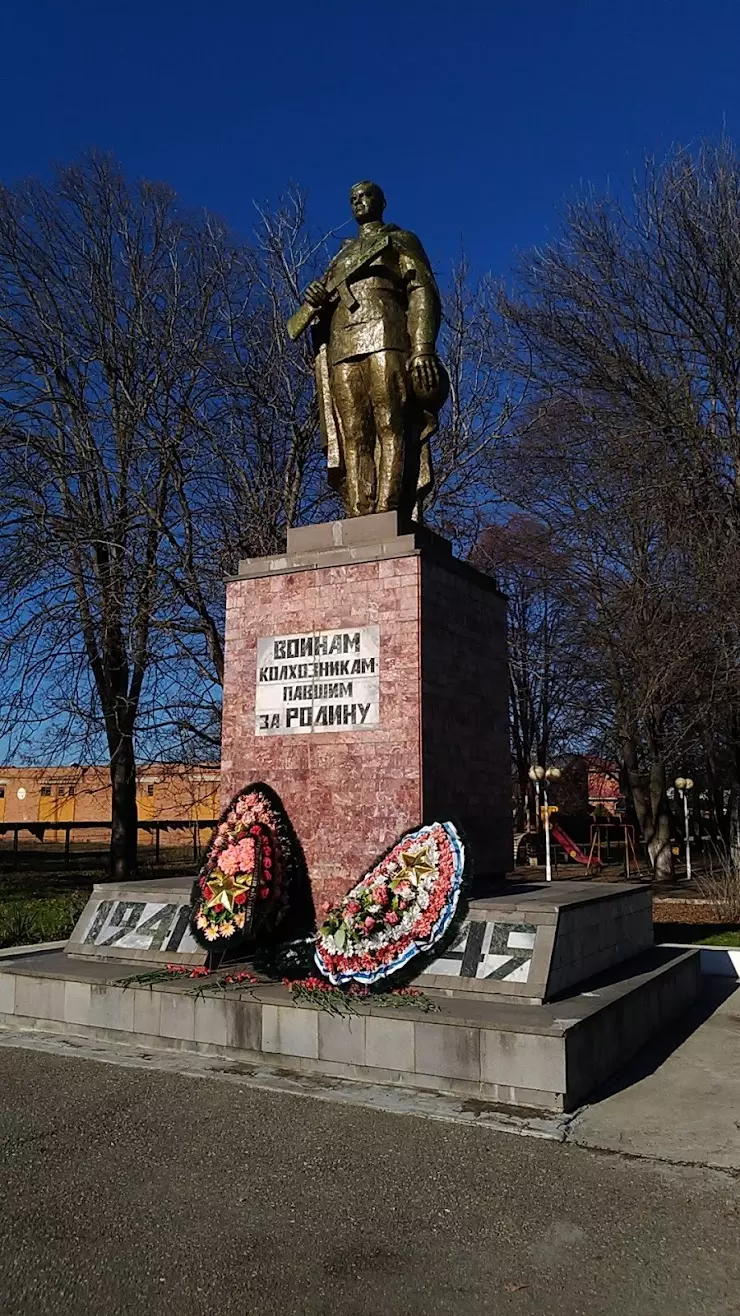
point(523, 812)
point(733, 824)
point(659, 847)
point(124, 814)
point(733, 828)
point(719, 813)
point(652, 809)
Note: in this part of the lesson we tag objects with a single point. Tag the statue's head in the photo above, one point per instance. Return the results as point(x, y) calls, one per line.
point(367, 201)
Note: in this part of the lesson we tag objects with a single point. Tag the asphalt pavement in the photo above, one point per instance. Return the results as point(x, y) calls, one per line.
point(128, 1190)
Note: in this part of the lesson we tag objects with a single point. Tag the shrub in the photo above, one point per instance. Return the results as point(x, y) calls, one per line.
point(720, 885)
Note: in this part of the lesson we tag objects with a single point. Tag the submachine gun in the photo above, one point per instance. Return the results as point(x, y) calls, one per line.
point(337, 286)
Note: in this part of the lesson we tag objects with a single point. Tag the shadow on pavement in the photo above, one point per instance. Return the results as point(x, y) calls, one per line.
point(715, 991)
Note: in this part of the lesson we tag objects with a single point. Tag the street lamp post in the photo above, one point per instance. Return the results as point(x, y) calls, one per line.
point(683, 786)
point(540, 776)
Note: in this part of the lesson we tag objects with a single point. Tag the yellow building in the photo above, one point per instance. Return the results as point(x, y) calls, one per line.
point(166, 792)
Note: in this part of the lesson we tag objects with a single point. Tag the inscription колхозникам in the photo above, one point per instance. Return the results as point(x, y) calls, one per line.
point(318, 681)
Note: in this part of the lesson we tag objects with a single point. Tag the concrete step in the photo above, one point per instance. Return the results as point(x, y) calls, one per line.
point(535, 1056)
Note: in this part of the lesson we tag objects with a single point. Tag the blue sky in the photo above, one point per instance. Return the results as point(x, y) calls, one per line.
point(477, 117)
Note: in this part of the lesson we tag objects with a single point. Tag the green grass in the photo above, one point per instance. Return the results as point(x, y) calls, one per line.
point(730, 938)
point(698, 934)
point(51, 918)
point(41, 897)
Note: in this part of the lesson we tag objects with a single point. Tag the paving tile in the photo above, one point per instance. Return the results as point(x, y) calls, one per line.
point(39, 998)
point(523, 1060)
point(177, 1016)
point(147, 1012)
point(290, 1031)
point(7, 993)
point(389, 1044)
point(342, 1038)
point(244, 1024)
point(448, 1050)
point(210, 1022)
point(76, 1002)
point(111, 1007)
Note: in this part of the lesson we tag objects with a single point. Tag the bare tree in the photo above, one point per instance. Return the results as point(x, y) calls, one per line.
point(628, 325)
point(486, 399)
point(153, 429)
point(549, 686)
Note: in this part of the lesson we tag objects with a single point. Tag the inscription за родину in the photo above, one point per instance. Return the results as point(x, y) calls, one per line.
point(319, 681)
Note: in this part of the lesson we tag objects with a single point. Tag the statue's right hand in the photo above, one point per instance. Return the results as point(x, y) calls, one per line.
point(316, 295)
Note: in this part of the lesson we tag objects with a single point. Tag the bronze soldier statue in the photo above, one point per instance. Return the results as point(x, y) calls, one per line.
point(380, 383)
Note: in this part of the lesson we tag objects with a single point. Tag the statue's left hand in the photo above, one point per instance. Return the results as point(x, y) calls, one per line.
point(425, 374)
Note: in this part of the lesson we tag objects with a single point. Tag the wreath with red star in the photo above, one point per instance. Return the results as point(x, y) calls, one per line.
point(243, 890)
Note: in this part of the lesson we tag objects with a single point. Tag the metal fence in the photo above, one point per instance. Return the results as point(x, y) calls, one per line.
point(48, 834)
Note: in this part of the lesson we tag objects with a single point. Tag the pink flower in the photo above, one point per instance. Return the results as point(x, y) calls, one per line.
point(392, 918)
point(327, 907)
point(380, 896)
point(352, 907)
point(369, 923)
point(237, 858)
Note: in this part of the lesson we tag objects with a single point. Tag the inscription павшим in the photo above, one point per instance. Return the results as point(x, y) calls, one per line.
point(319, 681)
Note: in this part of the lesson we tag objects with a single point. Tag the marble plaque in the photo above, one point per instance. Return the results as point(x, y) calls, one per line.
point(136, 925)
point(500, 952)
point(318, 681)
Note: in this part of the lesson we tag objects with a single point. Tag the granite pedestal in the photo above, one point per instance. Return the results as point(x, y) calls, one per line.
point(547, 1056)
point(566, 995)
point(366, 680)
point(536, 942)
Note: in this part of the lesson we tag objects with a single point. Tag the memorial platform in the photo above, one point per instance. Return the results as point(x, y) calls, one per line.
point(546, 1057)
point(545, 993)
point(367, 683)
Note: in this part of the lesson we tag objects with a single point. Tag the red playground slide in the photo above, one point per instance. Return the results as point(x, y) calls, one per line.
point(572, 850)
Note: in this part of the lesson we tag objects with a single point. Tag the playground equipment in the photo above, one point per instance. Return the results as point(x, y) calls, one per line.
point(605, 838)
point(571, 847)
point(621, 834)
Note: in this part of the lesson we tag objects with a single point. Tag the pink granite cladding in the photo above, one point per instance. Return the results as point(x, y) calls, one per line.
point(465, 711)
point(441, 750)
point(349, 794)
